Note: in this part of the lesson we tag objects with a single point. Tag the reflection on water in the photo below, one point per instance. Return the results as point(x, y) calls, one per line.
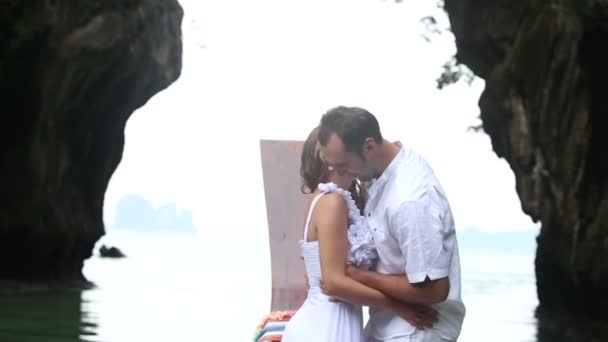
point(44, 318)
point(179, 287)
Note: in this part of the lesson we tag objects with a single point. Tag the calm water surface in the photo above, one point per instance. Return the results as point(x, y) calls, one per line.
point(179, 287)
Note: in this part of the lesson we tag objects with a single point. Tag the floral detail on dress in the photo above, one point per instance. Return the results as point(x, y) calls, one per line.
point(362, 250)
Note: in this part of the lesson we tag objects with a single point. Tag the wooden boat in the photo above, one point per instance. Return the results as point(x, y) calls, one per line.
point(286, 211)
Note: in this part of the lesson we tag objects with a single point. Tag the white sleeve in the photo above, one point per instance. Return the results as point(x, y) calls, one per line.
point(426, 243)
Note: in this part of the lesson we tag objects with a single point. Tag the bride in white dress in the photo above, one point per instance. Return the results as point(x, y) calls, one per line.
point(335, 234)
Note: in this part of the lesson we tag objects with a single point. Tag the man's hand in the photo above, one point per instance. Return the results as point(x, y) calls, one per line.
point(331, 299)
point(353, 272)
point(420, 316)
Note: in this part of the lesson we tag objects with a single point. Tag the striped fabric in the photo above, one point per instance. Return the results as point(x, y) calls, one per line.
point(272, 325)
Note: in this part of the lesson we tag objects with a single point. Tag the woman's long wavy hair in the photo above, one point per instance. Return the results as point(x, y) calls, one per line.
point(314, 170)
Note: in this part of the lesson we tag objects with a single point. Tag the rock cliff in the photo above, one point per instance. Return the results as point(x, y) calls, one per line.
point(71, 74)
point(545, 107)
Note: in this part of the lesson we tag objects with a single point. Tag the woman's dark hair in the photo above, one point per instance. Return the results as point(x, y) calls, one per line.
point(314, 170)
point(359, 194)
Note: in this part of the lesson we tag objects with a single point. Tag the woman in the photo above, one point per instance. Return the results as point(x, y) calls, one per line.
point(335, 233)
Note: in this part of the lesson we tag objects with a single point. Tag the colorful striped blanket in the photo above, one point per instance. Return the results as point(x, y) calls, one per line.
point(272, 325)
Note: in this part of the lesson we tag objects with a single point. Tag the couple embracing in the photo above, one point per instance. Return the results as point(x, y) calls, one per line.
point(379, 233)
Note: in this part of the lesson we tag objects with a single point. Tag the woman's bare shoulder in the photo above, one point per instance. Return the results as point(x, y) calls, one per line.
point(331, 204)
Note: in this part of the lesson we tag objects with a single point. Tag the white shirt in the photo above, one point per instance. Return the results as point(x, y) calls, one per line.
point(414, 233)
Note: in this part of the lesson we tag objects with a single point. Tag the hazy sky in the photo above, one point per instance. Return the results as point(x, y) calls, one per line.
point(267, 69)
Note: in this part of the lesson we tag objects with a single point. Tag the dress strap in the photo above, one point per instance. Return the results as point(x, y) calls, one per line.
point(312, 207)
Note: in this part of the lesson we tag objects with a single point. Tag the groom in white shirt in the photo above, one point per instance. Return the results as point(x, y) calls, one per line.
point(412, 225)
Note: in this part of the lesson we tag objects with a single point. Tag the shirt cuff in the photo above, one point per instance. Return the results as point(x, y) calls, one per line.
point(432, 274)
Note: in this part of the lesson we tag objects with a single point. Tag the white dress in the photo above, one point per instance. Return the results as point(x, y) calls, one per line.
point(319, 319)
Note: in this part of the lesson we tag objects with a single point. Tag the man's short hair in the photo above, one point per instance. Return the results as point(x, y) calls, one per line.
point(352, 124)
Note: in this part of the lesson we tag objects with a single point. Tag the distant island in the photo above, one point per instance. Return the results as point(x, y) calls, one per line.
point(517, 241)
point(134, 212)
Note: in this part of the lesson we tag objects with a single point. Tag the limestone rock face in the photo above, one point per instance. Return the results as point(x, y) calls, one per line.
point(545, 107)
point(71, 74)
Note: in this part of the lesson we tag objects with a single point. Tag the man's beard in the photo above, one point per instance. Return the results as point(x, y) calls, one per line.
point(368, 175)
point(367, 171)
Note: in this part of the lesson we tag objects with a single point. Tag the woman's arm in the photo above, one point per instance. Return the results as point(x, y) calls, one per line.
point(330, 218)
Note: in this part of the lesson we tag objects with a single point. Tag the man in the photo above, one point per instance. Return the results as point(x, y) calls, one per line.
point(411, 221)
